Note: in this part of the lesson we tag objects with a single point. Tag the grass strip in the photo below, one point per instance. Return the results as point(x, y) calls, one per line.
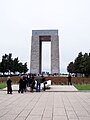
point(2, 85)
point(83, 87)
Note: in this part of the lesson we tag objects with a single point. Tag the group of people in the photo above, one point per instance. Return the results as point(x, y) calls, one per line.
point(29, 81)
point(32, 82)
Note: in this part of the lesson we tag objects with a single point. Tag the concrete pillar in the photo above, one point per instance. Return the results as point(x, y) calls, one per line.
point(54, 54)
point(34, 66)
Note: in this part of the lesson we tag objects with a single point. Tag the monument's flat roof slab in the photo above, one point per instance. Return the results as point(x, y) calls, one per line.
point(45, 106)
point(44, 32)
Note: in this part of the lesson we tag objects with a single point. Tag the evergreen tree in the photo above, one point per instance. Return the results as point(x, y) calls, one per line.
point(81, 65)
point(8, 64)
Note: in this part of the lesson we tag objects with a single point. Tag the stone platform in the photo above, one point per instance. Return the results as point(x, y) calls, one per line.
point(53, 88)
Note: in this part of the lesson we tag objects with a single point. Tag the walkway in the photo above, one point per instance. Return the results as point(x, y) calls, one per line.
point(45, 105)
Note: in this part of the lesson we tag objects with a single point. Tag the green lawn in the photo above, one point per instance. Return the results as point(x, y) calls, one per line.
point(2, 85)
point(83, 87)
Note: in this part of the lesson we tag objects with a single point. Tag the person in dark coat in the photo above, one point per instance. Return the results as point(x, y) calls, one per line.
point(44, 82)
point(69, 80)
point(24, 83)
point(9, 86)
point(38, 79)
point(33, 83)
point(20, 85)
point(28, 80)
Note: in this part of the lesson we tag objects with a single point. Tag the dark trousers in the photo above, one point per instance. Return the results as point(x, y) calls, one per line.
point(38, 87)
point(44, 87)
point(9, 89)
point(20, 90)
point(69, 82)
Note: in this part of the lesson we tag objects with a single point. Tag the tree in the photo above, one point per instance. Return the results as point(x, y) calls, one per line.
point(86, 64)
point(4, 64)
point(70, 67)
point(77, 63)
point(25, 68)
point(8, 64)
point(22, 68)
point(15, 65)
point(81, 65)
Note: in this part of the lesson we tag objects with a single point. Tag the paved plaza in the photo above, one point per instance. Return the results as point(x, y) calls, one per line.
point(50, 105)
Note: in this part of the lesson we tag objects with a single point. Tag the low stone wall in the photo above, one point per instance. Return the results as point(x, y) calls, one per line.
point(63, 80)
point(15, 79)
point(55, 80)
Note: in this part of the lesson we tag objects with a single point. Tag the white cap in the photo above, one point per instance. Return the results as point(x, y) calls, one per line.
point(8, 77)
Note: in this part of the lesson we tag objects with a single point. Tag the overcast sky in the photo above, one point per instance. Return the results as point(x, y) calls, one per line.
point(19, 17)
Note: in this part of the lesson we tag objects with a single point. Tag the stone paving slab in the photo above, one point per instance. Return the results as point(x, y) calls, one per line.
point(64, 88)
point(45, 106)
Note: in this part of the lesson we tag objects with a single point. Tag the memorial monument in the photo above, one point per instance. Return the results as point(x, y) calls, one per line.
point(38, 36)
